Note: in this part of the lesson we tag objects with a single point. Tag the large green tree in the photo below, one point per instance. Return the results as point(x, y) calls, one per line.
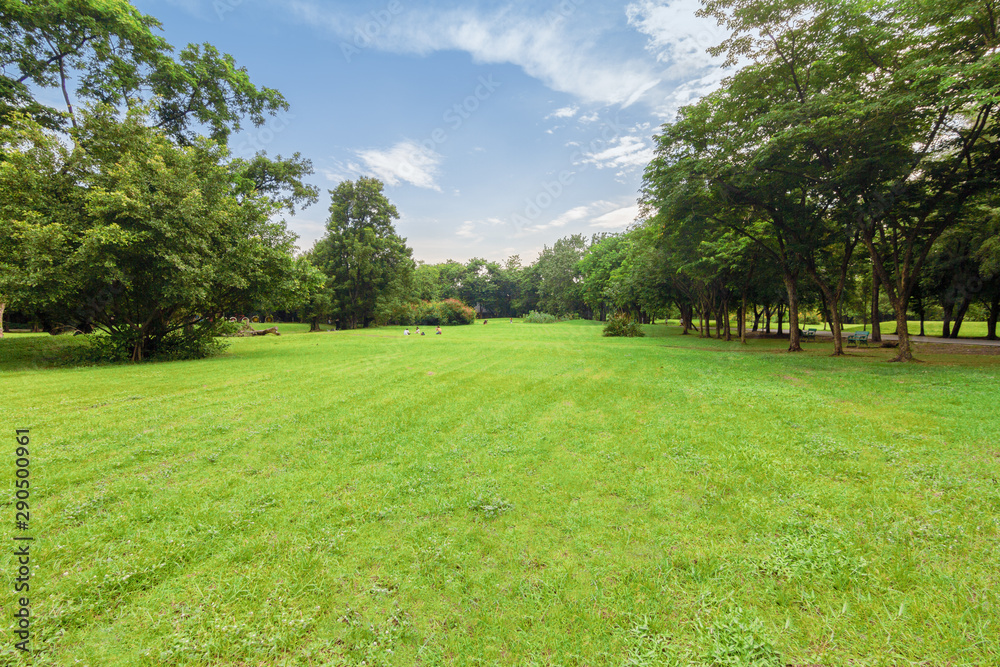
point(138, 236)
point(366, 262)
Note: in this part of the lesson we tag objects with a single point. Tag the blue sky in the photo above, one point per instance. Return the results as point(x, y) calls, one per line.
point(496, 127)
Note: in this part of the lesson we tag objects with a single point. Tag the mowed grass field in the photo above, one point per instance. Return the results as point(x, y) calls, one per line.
point(507, 494)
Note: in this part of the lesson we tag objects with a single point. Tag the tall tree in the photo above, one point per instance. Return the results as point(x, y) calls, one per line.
point(365, 261)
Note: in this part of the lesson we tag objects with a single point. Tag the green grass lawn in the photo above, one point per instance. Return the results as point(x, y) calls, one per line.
point(507, 494)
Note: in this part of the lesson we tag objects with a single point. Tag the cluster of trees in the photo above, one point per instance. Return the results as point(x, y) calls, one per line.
point(858, 141)
point(123, 210)
point(848, 167)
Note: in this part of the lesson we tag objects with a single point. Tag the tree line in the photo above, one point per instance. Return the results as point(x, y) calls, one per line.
point(855, 140)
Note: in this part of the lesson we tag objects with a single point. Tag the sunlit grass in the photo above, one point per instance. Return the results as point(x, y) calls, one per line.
point(509, 494)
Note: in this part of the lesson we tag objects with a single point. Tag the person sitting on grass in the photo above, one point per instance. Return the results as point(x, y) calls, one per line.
point(438, 332)
point(406, 332)
point(417, 332)
point(486, 321)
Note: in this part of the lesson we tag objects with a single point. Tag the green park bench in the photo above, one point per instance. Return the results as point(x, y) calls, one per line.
point(809, 334)
point(859, 338)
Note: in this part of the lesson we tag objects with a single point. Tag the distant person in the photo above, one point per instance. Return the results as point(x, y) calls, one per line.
point(512, 320)
point(486, 321)
point(406, 332)
point(417, 332)
point(438, 332)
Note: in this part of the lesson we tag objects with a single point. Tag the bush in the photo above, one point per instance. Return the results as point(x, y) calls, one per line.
point(430, 313)
point(534, 317)
point(623, 325)
point(453, 311)
point(117, 346)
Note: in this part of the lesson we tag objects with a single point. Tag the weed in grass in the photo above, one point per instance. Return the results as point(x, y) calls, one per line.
point(490, 506)
point(736, 638)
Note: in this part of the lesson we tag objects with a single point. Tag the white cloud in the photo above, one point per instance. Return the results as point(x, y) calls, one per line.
point(577, 217)
point(677, 36)
point(406, 162)
point(622, 153)
point(620, 218)
point(564, 112)
point(473, 230)
point(545, 47)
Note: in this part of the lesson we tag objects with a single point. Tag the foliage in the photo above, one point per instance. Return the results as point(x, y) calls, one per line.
point(366, 263)
point(109, 50)
point(561, 290)
point(622, 325)
point(118, 345)
point(431, 313)
point(134, 234)
point(535, 317)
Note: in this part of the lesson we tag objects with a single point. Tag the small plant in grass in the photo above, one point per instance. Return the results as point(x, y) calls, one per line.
point(738, 640)
point(622, 325)
point(491, 506)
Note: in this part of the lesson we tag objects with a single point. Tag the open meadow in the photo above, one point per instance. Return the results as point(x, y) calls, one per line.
point(507, 494)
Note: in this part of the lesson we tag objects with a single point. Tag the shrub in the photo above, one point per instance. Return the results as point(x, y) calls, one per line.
point(454, 311)
point(623, 325)
point(534, 317)
point(430, 313)
point(116, 347)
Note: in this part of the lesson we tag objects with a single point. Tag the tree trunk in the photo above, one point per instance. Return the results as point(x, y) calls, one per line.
point(949, 310)
point(756, 319)
point(793, 314)
point(876, 319)
point(314, 324)
point(960, 316)
point(781, 318)
point(3, 306)
point(743, 320)
point(903, 331)
point(767, 313)
point(726, 326)
point(831, 311)
point(991, 319)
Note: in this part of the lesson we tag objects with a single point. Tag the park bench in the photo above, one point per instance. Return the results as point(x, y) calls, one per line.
point(859, 338)
point(809, 334)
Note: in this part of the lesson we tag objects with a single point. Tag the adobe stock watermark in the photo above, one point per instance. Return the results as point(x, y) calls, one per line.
point(563, 10)
point(259, 138)
point(550, 191)
point(223, 7)
point(454, 117)
point(366, 32)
